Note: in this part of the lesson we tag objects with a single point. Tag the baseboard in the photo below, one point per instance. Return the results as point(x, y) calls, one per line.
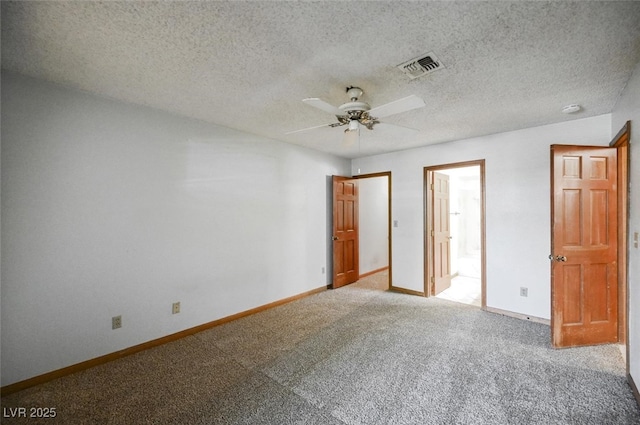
point(373, 272)
point(59, 373)
point(634, 388)
point(406, 291)
point(518, 315)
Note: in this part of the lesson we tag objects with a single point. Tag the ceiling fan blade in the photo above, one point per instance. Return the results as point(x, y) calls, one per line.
point(397, 106)
point(310, 128)
point(393, 130)
point(322, 105)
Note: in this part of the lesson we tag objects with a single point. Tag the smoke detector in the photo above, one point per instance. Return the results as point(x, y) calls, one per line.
point(571, 109)
point(422, 65)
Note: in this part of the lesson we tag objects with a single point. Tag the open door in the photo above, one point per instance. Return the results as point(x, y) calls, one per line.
point(345, 231)
point(441, 233)
point(584, 244)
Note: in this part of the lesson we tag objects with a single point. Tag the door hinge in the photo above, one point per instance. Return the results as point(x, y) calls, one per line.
point(432, 186)
point(433, 279)
point(433, 233)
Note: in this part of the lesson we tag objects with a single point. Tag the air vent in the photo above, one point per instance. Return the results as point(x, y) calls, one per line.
point(421, 65)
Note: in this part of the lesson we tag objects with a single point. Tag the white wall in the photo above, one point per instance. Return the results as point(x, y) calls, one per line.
point(517, 207)
point(114, 209)
point(628, 108)
point(373, 222)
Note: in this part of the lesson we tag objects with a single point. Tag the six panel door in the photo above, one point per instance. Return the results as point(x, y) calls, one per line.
point(441, 233)
point(345, 231)
point(584, 272)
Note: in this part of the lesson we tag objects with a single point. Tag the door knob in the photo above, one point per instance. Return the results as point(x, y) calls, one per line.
point(335, 238)
point(560, 258)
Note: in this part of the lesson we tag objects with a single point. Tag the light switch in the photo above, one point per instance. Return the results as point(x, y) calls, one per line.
point(635, 239)
point(395, 223)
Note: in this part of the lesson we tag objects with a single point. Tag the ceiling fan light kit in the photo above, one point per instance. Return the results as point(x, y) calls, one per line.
point(351, 136)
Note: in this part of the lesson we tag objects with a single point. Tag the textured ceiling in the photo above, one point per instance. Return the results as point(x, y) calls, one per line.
point(248, 65)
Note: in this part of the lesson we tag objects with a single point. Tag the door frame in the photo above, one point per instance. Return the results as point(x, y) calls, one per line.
point(386, 174)
point(621, 143)
point(428, 217)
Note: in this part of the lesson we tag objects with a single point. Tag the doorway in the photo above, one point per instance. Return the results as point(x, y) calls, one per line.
point(374, 233)
point(454, 237)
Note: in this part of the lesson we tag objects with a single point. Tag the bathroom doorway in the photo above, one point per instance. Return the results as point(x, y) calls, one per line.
point(454, 260)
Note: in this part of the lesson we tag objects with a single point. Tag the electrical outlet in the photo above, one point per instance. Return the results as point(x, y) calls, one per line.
point(116, 322)
point(524, 292)
point(176, 308)
point(323, 270)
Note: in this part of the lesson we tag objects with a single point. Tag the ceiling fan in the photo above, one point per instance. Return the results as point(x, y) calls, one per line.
point(356, 113)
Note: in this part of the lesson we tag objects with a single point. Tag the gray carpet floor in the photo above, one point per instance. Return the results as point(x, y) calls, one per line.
point(351, 356)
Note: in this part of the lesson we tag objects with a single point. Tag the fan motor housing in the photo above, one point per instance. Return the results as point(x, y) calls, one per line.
point(354, 106)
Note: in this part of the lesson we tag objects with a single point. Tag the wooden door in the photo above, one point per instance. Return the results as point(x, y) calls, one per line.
point(345, 231)
point(441, 234)
point(584, 271)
